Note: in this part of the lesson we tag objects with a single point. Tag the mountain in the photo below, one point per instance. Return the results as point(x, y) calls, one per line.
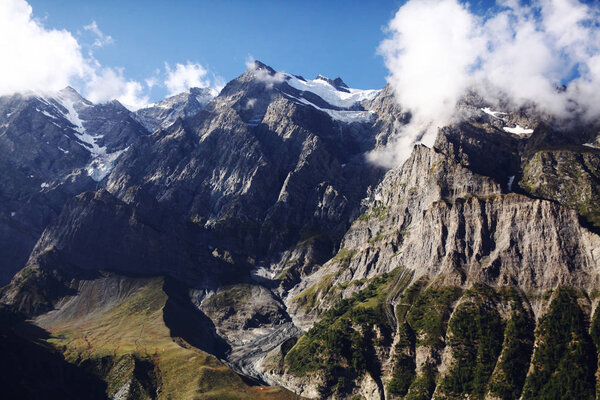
point(54, 146)
point(245, 247)
point(182, 105)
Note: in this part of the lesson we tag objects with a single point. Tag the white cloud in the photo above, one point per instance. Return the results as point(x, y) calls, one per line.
point(432, 46)
point(437, 49)
point(250, 103)
point(185, 76)
point(262, 74)
point(218, 82)
point(153, 80)
point(33, 57)
point(101, 38)
point(37, 58)
point(110, 83)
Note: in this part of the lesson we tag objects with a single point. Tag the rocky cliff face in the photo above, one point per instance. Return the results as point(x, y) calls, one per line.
point(54, 146)
point(253, 228)
point(182, 105)
point(258, 167)
point(451, 220)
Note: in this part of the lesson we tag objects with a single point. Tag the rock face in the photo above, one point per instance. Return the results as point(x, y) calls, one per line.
point(451, 220)
point(252, 227)
point(570, 177)
point(258, 167)
point(54, 146)
point(182, 105)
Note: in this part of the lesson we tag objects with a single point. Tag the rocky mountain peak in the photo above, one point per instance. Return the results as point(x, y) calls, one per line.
point(258, 65)
point(251, 219)
point(71, 95)
point(337, 83)
point(165, 112)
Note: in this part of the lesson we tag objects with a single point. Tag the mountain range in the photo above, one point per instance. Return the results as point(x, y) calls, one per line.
point(242, 245)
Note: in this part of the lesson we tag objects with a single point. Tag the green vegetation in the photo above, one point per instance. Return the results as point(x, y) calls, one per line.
point(429, 314)
point(230, 296)
point(342, 345)
point(595, 334)
point(564, 361)
point(475, 341)
point(309, 297)
point(422, 316)
point(423, 386)
point(434, 166)
point(343, 257)
point(377, 238)
point(509, 377)
point(489, 355)
point(403, 372)
point(568, 176)
point(130, 342)
point(37, 289)
point(375, 212)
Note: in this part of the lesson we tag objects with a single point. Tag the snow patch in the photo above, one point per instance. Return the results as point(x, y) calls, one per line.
point(46, 113)
point(102, 162)
point(494, 114)
point(518, 130)
point(72, 116)
point(102, 165)
point(13, 213)
point(511, 179)
point(350, 116)
point(592, 145)
point(347, 116)
point(44, 185)
point(329, 93)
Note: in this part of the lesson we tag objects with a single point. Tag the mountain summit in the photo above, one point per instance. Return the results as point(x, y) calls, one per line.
point(241, 244)
point(182, 105)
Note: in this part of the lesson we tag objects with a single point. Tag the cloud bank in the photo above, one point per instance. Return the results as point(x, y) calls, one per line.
point(110, 83)
point(262, 74)
point(185, 76)
point(34, 57)
point(41, 59)
point(436, 50)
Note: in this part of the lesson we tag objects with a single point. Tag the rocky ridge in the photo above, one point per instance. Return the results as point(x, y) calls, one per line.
point(305, 266)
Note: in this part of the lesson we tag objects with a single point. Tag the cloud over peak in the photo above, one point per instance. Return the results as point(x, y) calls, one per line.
point(436, 50)
point(185, 76)
point(35, 57)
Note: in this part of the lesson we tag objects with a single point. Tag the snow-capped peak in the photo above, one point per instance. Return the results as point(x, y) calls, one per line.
point(324, 88)
point(337, 83)
point(182, 105)
point(70, 105)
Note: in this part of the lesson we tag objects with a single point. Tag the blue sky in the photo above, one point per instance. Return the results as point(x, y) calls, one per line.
point(174, 45)
point(302, 37)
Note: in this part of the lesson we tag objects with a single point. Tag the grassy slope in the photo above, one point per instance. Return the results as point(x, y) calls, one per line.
point(343, 345)
point(136, 328)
